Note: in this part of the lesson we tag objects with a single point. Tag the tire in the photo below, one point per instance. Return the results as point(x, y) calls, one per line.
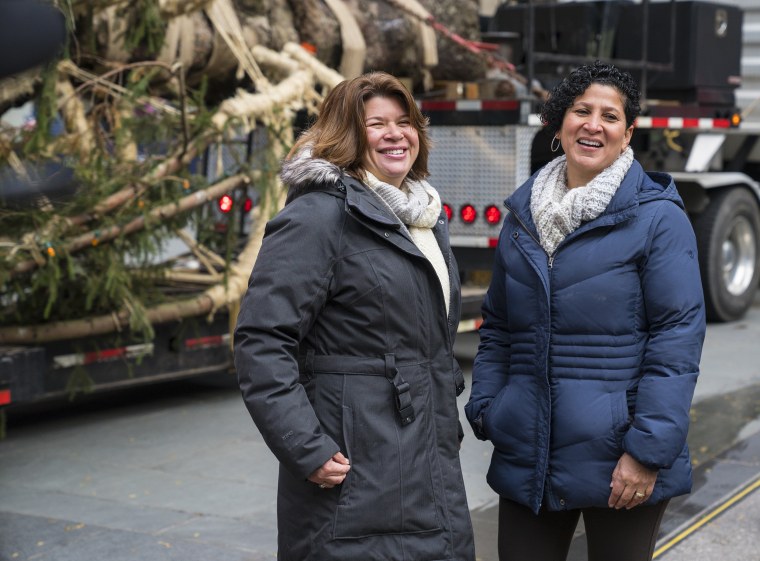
point(728, 240)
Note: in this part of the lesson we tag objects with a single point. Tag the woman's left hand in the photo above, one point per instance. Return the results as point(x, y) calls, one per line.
point(632, 483)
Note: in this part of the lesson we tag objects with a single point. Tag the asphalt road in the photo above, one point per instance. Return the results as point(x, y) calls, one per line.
point(178, 472)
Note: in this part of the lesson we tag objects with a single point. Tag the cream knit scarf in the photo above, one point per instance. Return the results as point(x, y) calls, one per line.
point(557, 211)
point(417, 205)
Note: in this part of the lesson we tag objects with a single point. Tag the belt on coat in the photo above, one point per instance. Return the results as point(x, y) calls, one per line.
point(311, 364)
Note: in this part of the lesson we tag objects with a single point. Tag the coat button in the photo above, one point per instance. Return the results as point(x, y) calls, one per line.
point(515, 234)
point(440, 222)
point(387, 235)
point(562, 502)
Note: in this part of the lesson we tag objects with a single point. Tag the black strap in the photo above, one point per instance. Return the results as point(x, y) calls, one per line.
point(459, 382)
point(401, 388)
point(311, 364)
point(308, 365)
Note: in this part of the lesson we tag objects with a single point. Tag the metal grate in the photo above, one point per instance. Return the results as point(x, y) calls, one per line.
point(479, 166)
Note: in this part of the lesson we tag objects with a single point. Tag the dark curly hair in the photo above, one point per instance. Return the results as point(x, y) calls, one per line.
point(565, 93)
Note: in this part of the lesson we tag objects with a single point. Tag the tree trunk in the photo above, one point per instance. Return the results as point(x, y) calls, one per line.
point(461, 17)
point(392, 36)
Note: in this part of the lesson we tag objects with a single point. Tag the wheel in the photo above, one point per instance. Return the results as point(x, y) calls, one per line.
point(728, 240)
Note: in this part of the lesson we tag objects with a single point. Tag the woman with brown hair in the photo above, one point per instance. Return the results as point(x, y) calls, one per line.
point(343, 346)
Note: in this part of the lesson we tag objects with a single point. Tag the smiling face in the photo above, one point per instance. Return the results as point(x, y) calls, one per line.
point(392, 141)
point(593, 133)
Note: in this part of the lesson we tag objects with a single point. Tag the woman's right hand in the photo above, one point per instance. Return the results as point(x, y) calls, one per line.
point(632, 483)
point(332, 472)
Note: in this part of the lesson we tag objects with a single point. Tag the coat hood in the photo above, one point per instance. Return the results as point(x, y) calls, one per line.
point(638, 187)
point(302, 172)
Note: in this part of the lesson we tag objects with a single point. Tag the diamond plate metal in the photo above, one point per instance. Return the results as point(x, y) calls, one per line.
point(480, 166)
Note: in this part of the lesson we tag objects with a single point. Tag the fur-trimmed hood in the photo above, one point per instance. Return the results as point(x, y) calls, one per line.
point(302, 172)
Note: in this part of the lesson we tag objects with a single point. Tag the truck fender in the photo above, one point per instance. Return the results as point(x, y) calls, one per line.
point(724, 208)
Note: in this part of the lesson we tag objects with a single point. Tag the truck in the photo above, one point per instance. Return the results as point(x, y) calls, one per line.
point(131, 209)
point(181, 346)
point(485, 145)
point(698, 125)
point(138, 167)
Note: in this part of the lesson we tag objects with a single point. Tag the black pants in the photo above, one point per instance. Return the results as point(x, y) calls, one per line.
point(612, 535)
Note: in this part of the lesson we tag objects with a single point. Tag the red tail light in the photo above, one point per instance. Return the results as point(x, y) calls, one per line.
point(225, 204)
point(248, 204)
point(468, 214)
point(492, 214)
point(448, 210)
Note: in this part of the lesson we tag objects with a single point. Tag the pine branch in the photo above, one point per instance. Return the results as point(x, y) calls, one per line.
point(157, 214)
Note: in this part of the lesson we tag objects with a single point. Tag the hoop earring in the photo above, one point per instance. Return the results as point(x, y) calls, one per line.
point(554, 147)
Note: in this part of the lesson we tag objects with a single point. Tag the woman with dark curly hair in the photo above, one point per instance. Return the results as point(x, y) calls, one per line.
point(591, 340)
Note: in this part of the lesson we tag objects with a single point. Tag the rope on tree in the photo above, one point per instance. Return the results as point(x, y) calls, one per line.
point(352, 39)
point(475, 47)
point(484, 50)
point(324, 74)
point(222, 14)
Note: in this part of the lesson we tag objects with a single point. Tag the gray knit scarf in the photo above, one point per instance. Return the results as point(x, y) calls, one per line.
point(557, 211)
point(417, 203)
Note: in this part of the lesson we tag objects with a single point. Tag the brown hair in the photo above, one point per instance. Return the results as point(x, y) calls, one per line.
point(339, 134)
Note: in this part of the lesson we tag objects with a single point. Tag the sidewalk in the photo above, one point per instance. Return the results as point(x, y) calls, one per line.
point(186, 477)
point(178, 472)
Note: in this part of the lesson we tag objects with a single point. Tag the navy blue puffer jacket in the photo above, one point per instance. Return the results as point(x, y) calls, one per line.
point(592, 352)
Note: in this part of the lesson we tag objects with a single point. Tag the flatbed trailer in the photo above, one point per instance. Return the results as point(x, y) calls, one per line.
point(64, 369)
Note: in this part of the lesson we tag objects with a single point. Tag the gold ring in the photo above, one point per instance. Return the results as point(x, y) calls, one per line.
point(639, 495)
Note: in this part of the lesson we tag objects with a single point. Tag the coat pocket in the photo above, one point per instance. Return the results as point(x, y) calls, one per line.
point(621, 417)
point(390, 488)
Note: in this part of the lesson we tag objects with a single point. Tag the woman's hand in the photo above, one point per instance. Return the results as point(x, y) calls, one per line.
point(632, 483)
point(332, 472)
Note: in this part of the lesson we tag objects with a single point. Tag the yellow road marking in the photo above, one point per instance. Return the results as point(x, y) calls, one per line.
point(708, 517)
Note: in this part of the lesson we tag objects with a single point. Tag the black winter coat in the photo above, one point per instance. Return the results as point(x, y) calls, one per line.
point(343, 343)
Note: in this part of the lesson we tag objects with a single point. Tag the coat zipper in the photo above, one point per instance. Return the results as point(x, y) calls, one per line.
point(448, 314)
point(550, 264)
point(548, 382)
point(448, 271)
